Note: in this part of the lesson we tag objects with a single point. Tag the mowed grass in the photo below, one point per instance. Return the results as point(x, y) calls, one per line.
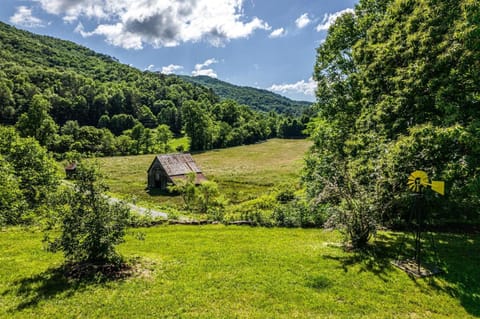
point(220, 271)
point(242, 172)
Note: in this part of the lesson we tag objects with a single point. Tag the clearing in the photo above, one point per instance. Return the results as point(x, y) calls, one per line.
point(242, 172)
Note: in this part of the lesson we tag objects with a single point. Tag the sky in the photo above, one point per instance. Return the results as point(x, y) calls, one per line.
point(266, 44)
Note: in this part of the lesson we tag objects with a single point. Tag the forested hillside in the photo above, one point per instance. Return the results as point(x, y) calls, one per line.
point(73, 99)
point(261, 100)
point(398, 91)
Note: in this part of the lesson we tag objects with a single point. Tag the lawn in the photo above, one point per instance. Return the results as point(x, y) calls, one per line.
point(221, 271)
point(242, 172)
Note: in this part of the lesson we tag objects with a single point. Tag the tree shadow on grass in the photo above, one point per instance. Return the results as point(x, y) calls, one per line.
point(375, 258)
point(64, 280)
point(458, 259)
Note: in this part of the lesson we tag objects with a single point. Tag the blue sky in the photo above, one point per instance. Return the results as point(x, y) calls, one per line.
point(260, 43)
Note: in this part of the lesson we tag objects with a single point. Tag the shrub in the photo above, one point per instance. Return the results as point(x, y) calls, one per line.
point(298, 213)
point(90, 225)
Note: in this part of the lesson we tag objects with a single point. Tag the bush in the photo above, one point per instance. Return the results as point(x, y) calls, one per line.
point(298, 213)
point(258, 211)
point(352, 207)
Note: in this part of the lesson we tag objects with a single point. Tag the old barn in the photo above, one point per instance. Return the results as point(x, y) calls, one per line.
point(165, 169)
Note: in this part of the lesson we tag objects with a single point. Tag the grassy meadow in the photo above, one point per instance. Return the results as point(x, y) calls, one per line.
point(242, 172)
point(221, 271)
point(218, 271)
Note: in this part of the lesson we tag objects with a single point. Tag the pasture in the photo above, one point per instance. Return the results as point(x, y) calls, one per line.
point(221, 271)
point(242, 172)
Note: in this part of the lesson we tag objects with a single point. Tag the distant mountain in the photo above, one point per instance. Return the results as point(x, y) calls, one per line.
point(258, 99)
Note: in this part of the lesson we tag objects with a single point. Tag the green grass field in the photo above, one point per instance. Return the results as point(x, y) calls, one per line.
point(242, 172)
point(241, 272)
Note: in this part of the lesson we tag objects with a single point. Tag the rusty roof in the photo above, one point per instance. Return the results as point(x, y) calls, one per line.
point(177, 164)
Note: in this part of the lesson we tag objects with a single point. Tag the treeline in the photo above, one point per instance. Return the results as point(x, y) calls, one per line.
point(71, 98)
point(398, 91)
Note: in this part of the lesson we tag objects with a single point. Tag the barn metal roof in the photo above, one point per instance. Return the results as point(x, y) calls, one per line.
point(178, 164)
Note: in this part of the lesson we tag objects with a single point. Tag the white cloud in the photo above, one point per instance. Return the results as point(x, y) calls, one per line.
point(71, 10)
point(166, 23)
point(150, 67)
point(329, 19)
point(280, 32)
point(23, 17)
point(169, 69)
point(307, 88)
point(303, 21)
point(200, 69)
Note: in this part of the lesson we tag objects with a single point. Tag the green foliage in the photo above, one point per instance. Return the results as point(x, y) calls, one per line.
point(208, 196)
point(398, 90)
point(46, 83)
point(186, 189)
point(37, 122)
point(203, 198)
point(12, 202)
point(241, 173)
point(257, 211)
point(90, 226)
point(257, 99)
point(33, 168)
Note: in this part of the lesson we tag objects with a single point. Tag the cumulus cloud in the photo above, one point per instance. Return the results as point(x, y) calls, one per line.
point(201, 69)
point(280, 32)
point(303, 21)
point(302, 87)
point(23, 17)
point(167, 23)
point(329, 19)
point(169, 69)
point(71, 10)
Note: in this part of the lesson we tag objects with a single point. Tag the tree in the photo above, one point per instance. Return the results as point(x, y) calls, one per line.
point(137, 134)
point(90, 225)
point(398, 82)
point(121, 122)
point(12, 202)
point(37, 123)
point(146, 117)
point(207, 196)
point(7, 110)
point(198, 125)
point(34, 169)
point(162, 137)
point(186, 188)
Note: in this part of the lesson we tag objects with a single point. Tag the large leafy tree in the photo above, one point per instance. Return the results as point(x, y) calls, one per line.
point(197, 125)
point(37, 122)
point(34, 168)
point(398, 90)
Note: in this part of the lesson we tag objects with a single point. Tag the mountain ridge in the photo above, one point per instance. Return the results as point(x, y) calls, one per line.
point(258, 99)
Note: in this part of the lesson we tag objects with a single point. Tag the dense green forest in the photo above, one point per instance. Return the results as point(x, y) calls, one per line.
point(261, 100)
point(398, 91)
point(72, 99)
